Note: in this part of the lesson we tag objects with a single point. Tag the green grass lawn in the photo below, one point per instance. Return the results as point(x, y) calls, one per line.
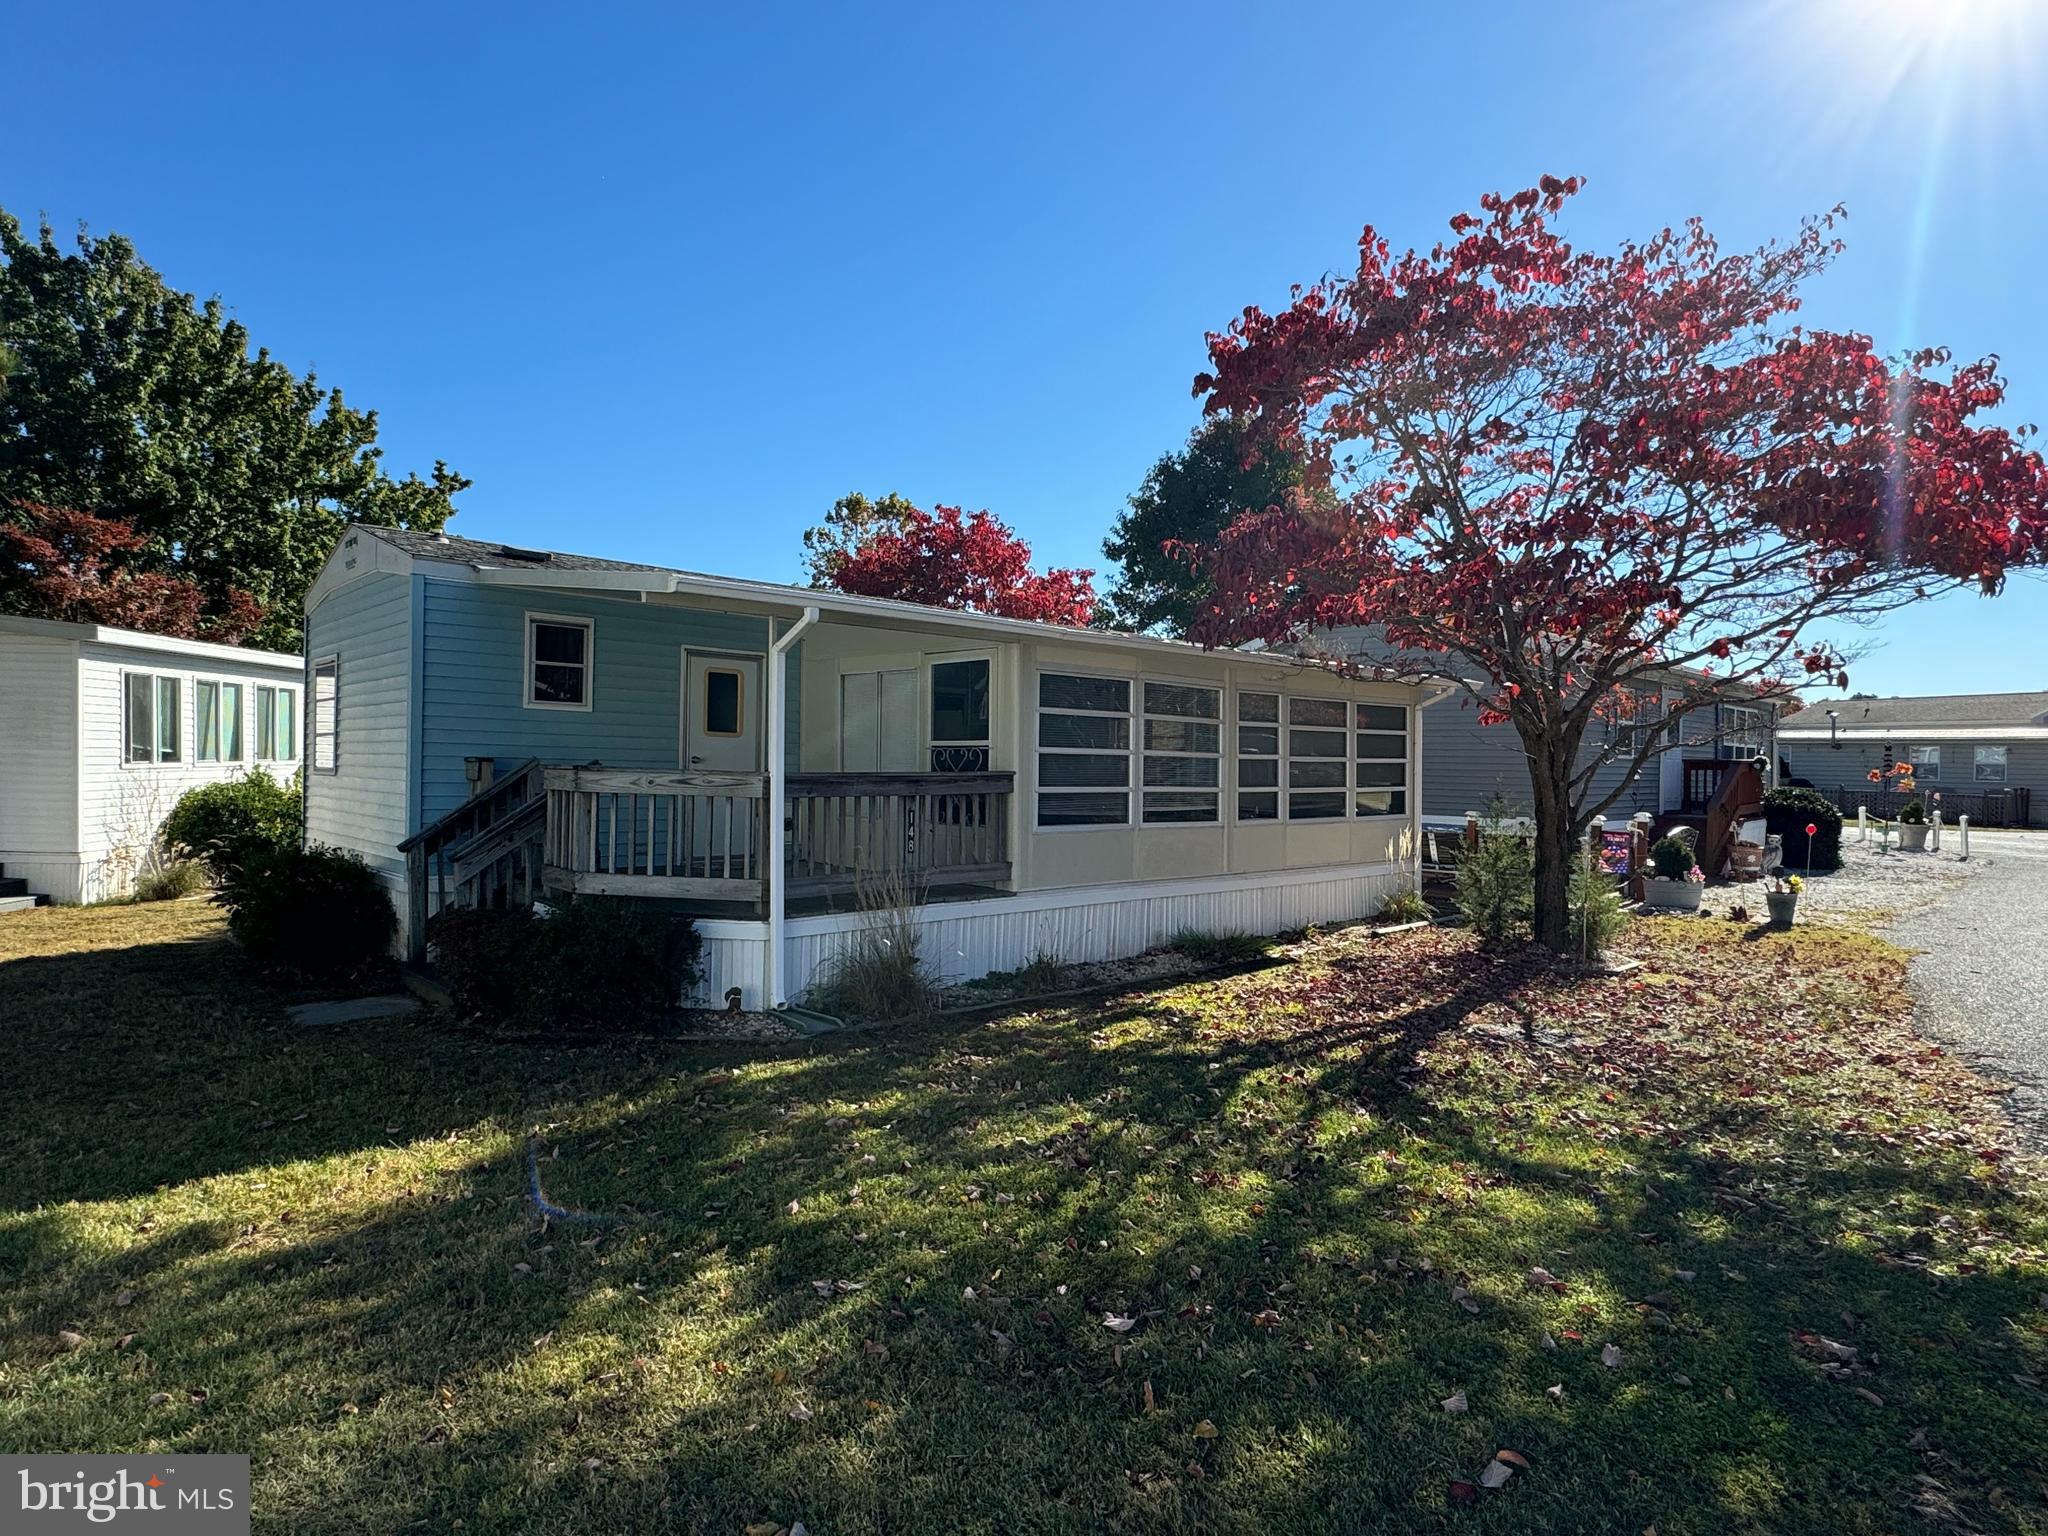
point(863, 1283)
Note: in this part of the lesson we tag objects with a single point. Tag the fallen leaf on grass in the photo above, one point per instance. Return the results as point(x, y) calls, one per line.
point(1463, 1494)
point(1543, 1277)
point(1118, 1324)
point(71, 1338)
point(1610, 1357)
point(158, 1399)
point(799, 1412)
point(1456, 1402)
point(1496, 1473)
point(1869, 1397)
point(1556, 1393)
point(1512, 1458)
point(592, 1463)
point(1206, 1430)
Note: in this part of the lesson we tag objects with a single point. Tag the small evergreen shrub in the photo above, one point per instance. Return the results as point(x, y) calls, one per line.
point(1404, 907)
point(1787, 812)
point(483, 957)
point(1218, 949)
point(224, 824)
point(1597, 914)
point(1913, 813)
point(591, 966)
point(602, 963)
point(1496, 886)
point(1670, 859)
point(319, 913)
point(185, 877)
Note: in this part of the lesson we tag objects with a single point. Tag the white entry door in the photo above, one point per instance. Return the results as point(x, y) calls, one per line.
point(722, 707)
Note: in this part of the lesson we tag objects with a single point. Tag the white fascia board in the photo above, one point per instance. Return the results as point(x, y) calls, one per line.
point(1913, 733)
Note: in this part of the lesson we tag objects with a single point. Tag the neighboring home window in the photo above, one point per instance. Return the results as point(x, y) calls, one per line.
point(150, 726)
point(1318, 758)
point(1084, 750)
point(1258, 757)
point(277, 725)
point(1742, 731)
point(1183, 753)
point(217, 721)
point(1990, 765)
point(1926, 763)
point(558, 662)
point(960, 714)
point(1382, 773)
point(321, 712)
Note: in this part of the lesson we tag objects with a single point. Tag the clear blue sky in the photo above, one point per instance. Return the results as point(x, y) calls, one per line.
point(665, 281)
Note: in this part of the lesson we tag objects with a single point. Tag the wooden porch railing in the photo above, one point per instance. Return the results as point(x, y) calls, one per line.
point(1703, 777)
point(1739, 796)
point(933, 829)
point(485, 852)
point(624, 832)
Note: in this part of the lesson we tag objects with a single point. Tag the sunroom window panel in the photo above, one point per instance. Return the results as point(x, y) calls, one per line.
point(1183, 699)
point(266, 725)
point(1084, 810)
point(1182, 772)
point(1315, 773)
point(231, 722)
point(169, 719)
point(1317, 744)
point(1108, 733)
point(1059, 770)
point(1258, 806)
point(1102, 695)
point(1317, 712)
point(1263, 707)
point(1318, 806)
point(1181, 736)
point(1381, 802)
point(1258, 740)
point(1382, 717)
point(1373, 744)
point(1258, 772)
point(1180, 806)
point(1382, 775)
point(206, 720)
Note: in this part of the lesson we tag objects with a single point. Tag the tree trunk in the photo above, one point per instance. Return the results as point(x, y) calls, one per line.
point(1550, 779)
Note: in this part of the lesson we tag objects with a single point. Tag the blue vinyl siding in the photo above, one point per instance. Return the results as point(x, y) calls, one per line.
point(363, 804)
point(472, 688)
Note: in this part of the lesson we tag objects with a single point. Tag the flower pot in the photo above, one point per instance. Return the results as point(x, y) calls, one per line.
point(1784, 906)
point(1672, 895)
point(1912, 837)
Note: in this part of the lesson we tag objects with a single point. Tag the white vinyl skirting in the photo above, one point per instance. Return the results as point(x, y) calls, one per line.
point(966, 939)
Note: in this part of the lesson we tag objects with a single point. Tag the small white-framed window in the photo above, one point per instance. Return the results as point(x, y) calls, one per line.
point(323, 711)
point(1926, 762)
point(151, 719)
point(1258, 757)
point(1182, 729)
point(1988, 765)
point(1318, 759)
point(277, 724)
point(960, 711)
point(1742, 731)
point(216, 721)
point(1380, 774)
point(1084, 750)
point(559, 661)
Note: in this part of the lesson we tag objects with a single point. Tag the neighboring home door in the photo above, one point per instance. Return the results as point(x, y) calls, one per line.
point(878, 722)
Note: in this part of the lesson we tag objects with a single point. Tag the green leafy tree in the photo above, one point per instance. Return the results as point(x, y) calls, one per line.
point(1188, 497)
point(123, 397)
point(853, 522)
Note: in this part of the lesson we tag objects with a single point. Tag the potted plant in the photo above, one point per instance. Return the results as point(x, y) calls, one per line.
point(1913, 827)
point(1782, 896)
point(1675, 883)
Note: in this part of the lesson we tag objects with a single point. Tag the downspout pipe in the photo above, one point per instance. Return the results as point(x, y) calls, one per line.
point(778, 789)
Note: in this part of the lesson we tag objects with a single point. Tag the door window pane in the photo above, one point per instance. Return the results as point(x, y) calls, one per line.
point(724, 702)
point(960, 706)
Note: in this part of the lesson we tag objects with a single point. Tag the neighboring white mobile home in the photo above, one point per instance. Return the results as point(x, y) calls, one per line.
point(487, 719)
point(101, 731)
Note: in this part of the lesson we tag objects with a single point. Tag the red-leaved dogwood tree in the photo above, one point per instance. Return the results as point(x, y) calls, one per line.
point(1562, 477)
point(945, 559)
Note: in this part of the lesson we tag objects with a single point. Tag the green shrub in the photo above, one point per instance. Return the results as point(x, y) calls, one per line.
point(224, 824)
point(1787, 812)
point(1671, 859)
point(185, 877)
point(1218, 949)
point(1404, 907)
point(1913, 813)
point(1597, 915)
point(879, 971)
point(483, 957)
point(1496, 887)
point(592, 965)
point(1043, 972)
point(318, 913)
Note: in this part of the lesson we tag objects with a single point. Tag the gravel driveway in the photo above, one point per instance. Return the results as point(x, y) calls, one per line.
point(1981, 971)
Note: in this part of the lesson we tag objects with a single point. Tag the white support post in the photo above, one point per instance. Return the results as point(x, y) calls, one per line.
point(1862, 823)
point(1963, 832)
point(1934, 830)
point(777, 809)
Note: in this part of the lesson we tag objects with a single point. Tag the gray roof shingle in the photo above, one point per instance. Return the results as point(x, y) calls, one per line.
point(1934, 709)
point(449, 546)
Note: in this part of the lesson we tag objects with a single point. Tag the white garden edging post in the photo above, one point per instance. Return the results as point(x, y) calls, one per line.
point(1934, 831)
point(1862, 823)
point(1963, 831)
